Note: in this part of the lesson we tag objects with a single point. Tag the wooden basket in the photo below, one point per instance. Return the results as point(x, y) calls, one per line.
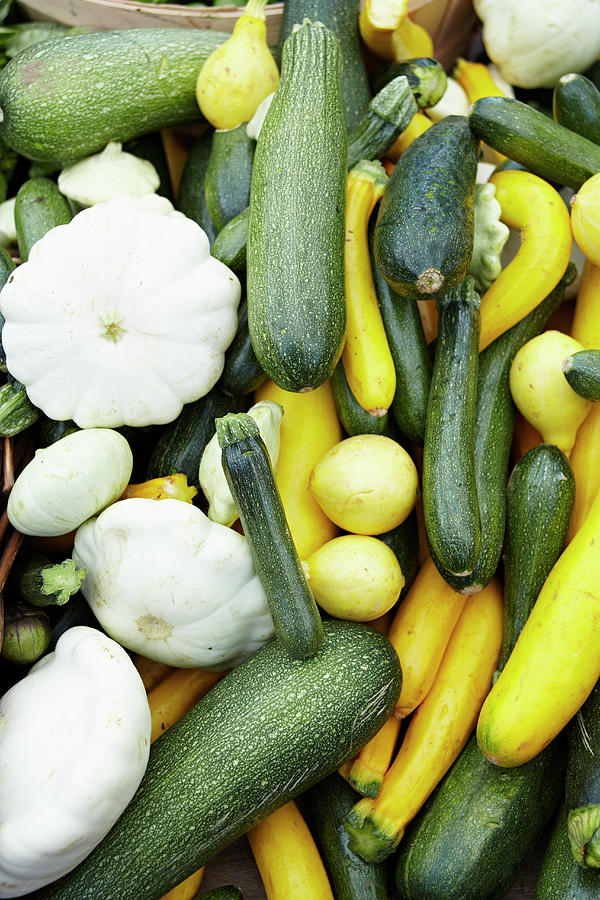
point(449, 22)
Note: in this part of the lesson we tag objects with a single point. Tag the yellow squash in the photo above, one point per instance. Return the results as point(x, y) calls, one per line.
point(166, 487)
point(368, 769)
point(556, 661)
point(368, 363)
point(188, 889)
point(417, 125)
point(176, 694)
point(287, 857)
point(585, 218)
point(309, 428)
point(389, 33)
point(532, 206)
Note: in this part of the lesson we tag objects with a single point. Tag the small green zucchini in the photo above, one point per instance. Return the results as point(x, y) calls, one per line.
point(251, 481)
point(41, 582)
point(388, 115)
point(228, 174)
point(426, 77)
point(412, 359)
point(39, 206)
point(450, 504)
point(354, 419)
point(295, 253)
point(582, 371)
point(583, 783)
point(424, 230)
point(269, 730)
point(561, 878)
point(242, 372)
point(191, 197)
point(350, 876)
point(17, 412)
point(230, 243)
point(536, 141)
point(576, 105)
point(404, 541)
point(48, 431)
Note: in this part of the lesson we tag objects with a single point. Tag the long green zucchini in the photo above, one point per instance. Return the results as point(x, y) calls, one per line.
point(242, 373)
point(191, 197)
point(354, 419)
point(67, 98)
point(228, 174)
point(388, 115)
point(269, 730)
point(295, 252)
point(561, 878)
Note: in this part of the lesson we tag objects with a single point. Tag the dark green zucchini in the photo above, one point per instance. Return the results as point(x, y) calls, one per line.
point(40, 581)
point(39, 206)
point(354, 419)
point(17, 412)
point(269, 730)
point(412, 359)
point(295, 253)
point(341, 16)
point(536, 141)
point(191, 198)
point(227, 892)
point(76, 612)
point(494, 423)
point(426, 77)
point(449, 485)
point(181, 443)
point(48, 431)
point(593, 73)
point(561, 878)
point(251, 481)
point(389, 113)
point(583, 783)
point(242, 372)
point(7, 267)
point(351, 878)
point(576, 105)
point(424, 230)
point(404, 541)
point(230, 243)
point(151, 148)
point(228, 175)
point(582, 371)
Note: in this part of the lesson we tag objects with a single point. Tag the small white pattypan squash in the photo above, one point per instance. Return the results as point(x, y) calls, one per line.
point(454, 102)
point(534, 43)
point(119, 317)
point(111, 173)
point(69, 481)
point(165, 581)
point(489, 237)
point(75, 744)
point(222, 508)
point(256, 122)
point(8, 229)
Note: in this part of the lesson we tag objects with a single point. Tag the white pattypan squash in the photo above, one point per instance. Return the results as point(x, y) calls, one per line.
point(256, 122)
point(8, 229)
point(222, 508)
point(75, 743)
point(534, 43)
point(454, 102)
point(489, 237)
point(165, 581)
point(119, 317)
point(69, 481)
point(111, 173)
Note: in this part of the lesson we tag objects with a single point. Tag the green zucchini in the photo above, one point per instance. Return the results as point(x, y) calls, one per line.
point(76, 612)
point(404, 541)
point(412, 359)
point(7, 267)
point(494, 423)
point(583, 783)
point(536, 141)
point(354, 419)
point(561, 878)
point(39, 206)
point(227, 182)
point(582, 371)
point(151, 148)
point(48, 431)
point(269, 730)
point(17, 412)
point(191, 198)
point(181, 443)
point(242, 372)
point(426, 77)
point(351, 878)
point(227, 892)
point(230, 243)
point(89, 89)
point(40, 581)
point(389, 113)
point(424, 229)
point(251, 481)
point(593, 73)
point(449, 485)
point(295, 253)
point(341, 17)
point(576, 105)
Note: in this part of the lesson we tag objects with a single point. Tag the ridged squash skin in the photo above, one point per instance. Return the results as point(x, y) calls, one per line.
point(295, 251)
point(424, 230)
point(68, 98)
point(269, 730)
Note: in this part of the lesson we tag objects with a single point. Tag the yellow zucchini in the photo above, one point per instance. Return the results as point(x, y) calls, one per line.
point(556, 661)
point(309, 428)
point(369, 767)
point(366, 356)
point(377, 22)
point(151, 672)
point(287, 857)
point(531, 205)
point(429, 319)
point(417, 125)
point(438, 730)
point(585, 218)
point(176, 694)
point(188, 889)
point(166, 487)
point(476, 80)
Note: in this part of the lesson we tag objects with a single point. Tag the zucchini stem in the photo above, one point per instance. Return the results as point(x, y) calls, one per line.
point(583, 826)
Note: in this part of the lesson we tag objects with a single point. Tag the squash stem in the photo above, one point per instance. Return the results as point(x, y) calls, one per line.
point(255, 9)
point(235, 427)
point(583, 825)
point(60, 581)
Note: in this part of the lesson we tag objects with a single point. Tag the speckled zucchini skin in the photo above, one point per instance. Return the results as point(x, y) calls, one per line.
point(561, 878)
point(227, 183)
point(424, 230)
point(295, 251)
point(67, 98)
point(39, 207)
point(272, 728)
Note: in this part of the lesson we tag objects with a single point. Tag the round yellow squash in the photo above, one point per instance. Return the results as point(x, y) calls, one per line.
point(366, 484)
